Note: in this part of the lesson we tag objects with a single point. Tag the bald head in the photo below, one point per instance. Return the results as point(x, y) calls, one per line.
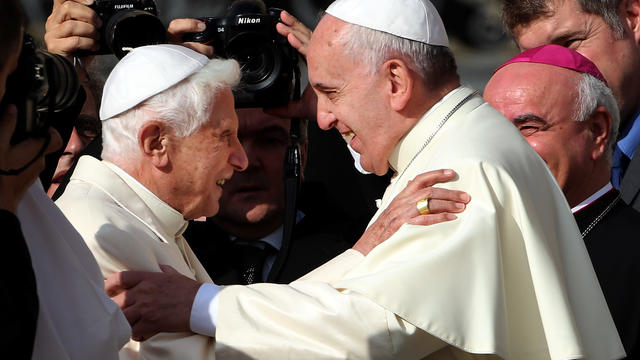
point(560, 113)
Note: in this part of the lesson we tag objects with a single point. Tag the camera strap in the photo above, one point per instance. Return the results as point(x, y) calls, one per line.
point(292, 182)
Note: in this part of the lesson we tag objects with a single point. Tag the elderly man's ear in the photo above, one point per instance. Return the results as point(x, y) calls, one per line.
point(600, 128)
point(631, 13)
point(400, 80)
point(153, 141)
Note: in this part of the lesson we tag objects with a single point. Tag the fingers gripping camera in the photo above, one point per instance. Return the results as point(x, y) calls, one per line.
point(269, 64)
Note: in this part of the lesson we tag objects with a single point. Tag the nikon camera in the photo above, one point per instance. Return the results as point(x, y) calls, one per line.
point(269, 64)
point(128, 24)
point(46, 91)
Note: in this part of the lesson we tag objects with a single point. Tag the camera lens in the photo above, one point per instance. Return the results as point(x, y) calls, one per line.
point(128, 29)
point(259, 60)
point(63, 84)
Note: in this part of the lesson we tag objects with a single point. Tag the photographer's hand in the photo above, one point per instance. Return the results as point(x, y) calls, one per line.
point(72, 26)
point(296, 32)
point(179, 27)
point(13, 187)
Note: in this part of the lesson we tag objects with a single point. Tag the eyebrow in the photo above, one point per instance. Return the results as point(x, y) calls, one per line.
point(565, 36)
point(321, 86)
point(525, 118)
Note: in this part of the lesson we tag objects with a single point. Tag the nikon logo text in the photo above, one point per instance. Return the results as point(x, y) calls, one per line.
point(123, 6)
point(242, 21)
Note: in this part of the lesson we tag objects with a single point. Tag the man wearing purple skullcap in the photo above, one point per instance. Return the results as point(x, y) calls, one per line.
point(558, 100)
point(608, 33)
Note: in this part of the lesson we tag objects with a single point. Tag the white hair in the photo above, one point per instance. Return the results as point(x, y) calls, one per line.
point(185, 107)
point(592, 93)
point(435, 64)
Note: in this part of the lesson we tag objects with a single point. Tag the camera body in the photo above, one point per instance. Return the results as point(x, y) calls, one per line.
point(128, 24)
point(44, 87)
point(269, 64)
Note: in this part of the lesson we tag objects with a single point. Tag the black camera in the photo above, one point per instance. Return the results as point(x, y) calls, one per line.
point(269, 64)
point(45, 89)
point(128, 24)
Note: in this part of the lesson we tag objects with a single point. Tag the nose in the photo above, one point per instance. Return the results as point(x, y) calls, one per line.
point(325, 117)
point(254, 155)
point(75, 144)
point(238, 157)
point(326, 120)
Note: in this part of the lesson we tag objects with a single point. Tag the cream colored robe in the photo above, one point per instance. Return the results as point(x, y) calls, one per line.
point(76, 319)
point(509, 277)
point(128, 228)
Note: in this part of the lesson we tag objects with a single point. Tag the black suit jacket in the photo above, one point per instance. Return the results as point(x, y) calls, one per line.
point(18, 292)
point(614, 248)
point(630, 184)
point(321, 235)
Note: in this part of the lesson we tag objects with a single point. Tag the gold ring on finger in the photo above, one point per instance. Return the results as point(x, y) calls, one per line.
point(423, 206)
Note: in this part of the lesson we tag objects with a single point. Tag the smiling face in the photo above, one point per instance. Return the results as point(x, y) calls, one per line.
point(617, 58)
point(529, 96)
point(351, 99)
point(252, 203)
point(205, 160)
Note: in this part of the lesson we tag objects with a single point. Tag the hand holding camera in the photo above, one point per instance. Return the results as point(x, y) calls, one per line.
point(71, 27)
point(297, 33)
point(178, 28)
point(270, 72)
point(89, 27)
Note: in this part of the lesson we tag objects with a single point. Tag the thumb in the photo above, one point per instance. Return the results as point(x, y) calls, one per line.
point(168, 270)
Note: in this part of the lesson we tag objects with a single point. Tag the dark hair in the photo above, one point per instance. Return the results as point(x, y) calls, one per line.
point(12, 19)
point(516, 13)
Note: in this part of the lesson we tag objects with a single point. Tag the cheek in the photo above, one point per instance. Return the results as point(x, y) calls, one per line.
point(274, 165)
point(543, 149)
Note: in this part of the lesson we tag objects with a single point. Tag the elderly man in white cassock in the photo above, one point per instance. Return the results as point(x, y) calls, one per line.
point(170, 142)
point(509, 278)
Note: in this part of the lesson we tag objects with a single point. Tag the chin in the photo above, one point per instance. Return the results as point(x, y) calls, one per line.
point(258, 213)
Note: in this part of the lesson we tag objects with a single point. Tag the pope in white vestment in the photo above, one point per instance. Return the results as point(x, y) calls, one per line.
point(509, 277)
point(128, 227)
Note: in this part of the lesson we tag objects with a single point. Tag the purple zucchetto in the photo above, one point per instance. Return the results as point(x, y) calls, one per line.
point(559, 56)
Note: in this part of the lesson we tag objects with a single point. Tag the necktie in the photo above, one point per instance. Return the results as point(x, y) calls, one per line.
point(251, 261)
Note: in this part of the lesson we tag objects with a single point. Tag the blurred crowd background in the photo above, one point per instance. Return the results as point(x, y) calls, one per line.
point(474, 26)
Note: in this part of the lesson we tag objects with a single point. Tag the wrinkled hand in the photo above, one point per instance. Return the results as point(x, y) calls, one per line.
point(443, 204)
point(153, 302)
point(72, 26)
point(13, 187)
point(179, 27)
point(296, 32)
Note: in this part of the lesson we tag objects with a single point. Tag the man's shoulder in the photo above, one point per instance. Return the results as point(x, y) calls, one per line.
point(96, 214)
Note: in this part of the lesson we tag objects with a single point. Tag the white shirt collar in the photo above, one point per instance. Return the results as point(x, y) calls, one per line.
point(407, 147)
point(605, 189)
